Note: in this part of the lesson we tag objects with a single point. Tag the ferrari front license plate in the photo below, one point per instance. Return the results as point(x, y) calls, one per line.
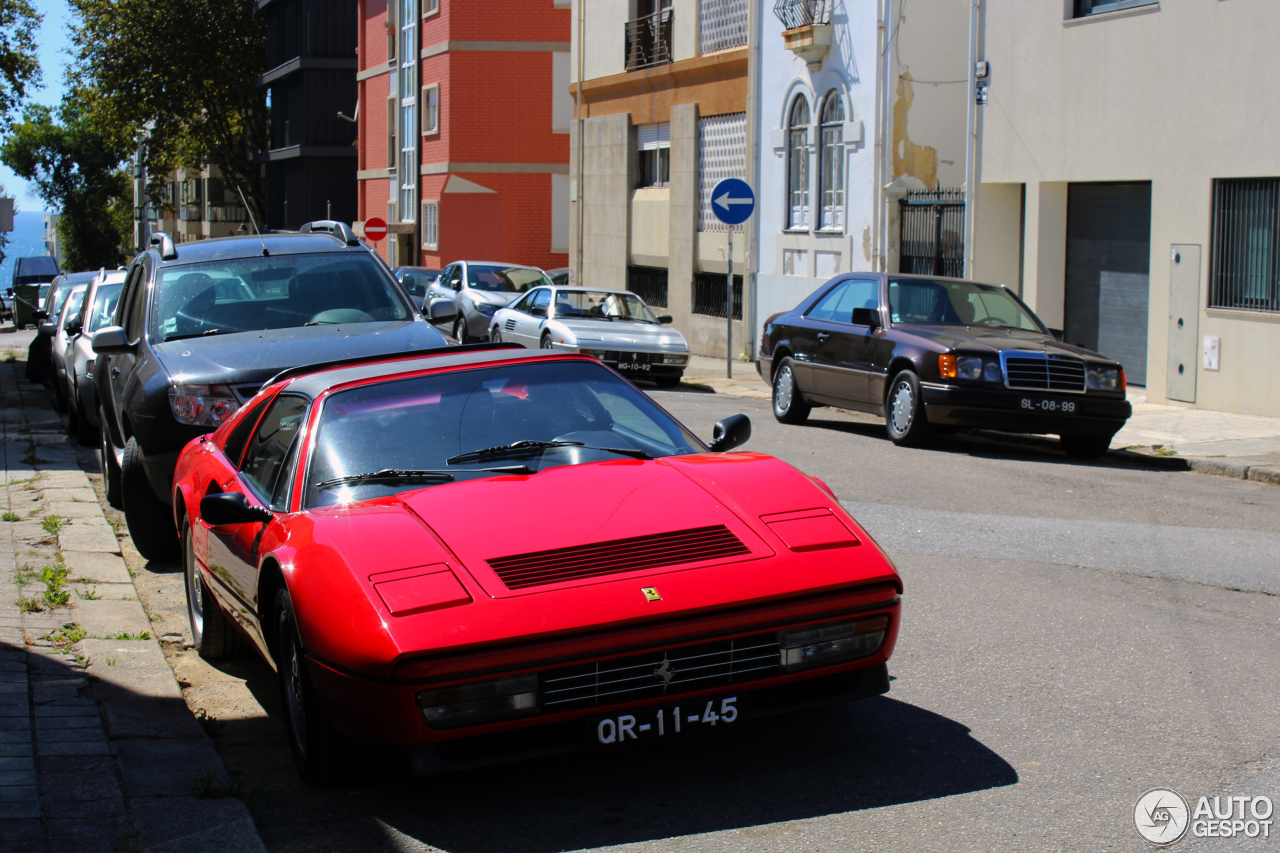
point(632, 366)
point(1062, 407)
point(666, 721)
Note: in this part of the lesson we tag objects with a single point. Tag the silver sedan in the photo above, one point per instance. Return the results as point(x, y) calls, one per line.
point(615, 326)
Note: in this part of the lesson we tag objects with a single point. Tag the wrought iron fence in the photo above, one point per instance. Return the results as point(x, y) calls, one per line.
point(931, 235)
point(708, 294)
point(649, 283)
point(1244, 267)
point(722, 24)
point(803, 13)
point(649, 40)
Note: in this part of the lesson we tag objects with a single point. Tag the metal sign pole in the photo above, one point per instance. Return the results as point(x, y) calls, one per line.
point(728, 314)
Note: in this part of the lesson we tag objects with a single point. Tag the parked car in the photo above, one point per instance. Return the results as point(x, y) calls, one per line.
point(478, 289)
point(62, 328)
point(928, 352)
point(615, 326)
point(199, 329)
point(416, 280)
point(695, 589)
point(31, 279)
point(82, 399)
point(561, 276)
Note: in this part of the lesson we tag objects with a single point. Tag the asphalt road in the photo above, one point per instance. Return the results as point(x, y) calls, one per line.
point(1073, 635)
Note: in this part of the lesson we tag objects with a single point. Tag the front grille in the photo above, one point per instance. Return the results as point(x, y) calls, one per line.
point(635, 357)
point(1040, 372)
point(616, 556)
point(661, 673)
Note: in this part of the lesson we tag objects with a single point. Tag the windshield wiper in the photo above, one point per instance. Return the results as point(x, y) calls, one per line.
point(206, 333)
point(387, 474)
point(529, 447)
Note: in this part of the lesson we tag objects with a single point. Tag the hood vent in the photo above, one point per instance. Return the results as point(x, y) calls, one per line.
point(618, 556)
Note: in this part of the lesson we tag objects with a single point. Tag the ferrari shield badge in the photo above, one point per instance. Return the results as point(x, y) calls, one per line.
point(651, 593)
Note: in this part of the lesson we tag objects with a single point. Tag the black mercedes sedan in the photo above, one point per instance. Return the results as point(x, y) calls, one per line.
point(929, 352)
point(200, 326)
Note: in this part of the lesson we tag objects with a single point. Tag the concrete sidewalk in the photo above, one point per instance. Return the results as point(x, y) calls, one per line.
point(98, 751)
point(1177, 436)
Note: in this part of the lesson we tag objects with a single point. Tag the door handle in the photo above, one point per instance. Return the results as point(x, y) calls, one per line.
point(115, 371)
point(822, 336)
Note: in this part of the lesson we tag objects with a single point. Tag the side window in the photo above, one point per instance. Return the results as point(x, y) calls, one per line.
point(239, 437)
point(265, 460)
point(136, 319)
point(522, 304)
point(827, 305)
point(541, 300)
point(455, 278)
point(860, 294)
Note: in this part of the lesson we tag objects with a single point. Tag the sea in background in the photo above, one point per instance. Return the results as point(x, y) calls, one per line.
point(26, 239)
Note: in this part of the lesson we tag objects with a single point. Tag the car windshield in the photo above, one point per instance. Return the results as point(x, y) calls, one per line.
point(601, 305)
point(957, 303)
point(363, 430)
point(504, 279)
point(279, 292)
point(104, 307)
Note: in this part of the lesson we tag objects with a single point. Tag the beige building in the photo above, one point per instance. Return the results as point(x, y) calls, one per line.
point(1130, 185)
point(661, 99)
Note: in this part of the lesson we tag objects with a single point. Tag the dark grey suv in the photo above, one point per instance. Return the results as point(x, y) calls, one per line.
point(201, 326)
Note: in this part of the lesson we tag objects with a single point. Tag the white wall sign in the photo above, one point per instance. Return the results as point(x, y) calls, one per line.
point(1211, 347)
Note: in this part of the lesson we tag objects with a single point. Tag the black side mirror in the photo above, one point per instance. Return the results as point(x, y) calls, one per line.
point(866, 317)
point(228, 508)
point(73, 328)
point(665, 319)
point(40, 315)
point(730, 433)
point(48, 330)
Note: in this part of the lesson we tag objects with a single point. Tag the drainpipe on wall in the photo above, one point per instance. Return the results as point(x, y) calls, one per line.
point(970, 142)
point(884, 136)
point(750, 309)
point(577, 196)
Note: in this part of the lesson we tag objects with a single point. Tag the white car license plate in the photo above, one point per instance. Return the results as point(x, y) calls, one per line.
point(627, 365)
point(1061, 407)
point(666, 721)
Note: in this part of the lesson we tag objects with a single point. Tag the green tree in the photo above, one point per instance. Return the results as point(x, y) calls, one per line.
point(19, 67)
point(176, 77)
point(75, 169)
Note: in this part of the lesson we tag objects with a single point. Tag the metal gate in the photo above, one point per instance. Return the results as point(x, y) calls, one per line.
point(931, 238)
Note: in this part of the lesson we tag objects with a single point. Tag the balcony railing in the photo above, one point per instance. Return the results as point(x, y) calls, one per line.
point(227, 213)
point(803, 13)
point(190, 212)
point(649, 40)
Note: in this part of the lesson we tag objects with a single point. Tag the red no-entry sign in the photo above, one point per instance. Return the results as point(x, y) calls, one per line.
point(375, 229)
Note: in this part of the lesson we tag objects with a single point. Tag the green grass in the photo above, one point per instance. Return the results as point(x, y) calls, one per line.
point(11, 516)
point(89, 594)
point(141, 635)
point(29, 605)
point(10, 355)
point(53, 523)
point(212, 785)
point(66, 635)
point(112, 661)
point(53, 577)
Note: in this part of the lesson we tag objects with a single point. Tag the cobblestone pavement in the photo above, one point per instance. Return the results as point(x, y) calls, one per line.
point(98, 751)
point(1174, 435)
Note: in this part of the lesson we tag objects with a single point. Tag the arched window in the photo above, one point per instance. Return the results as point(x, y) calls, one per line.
point(798, 164)
point(831, 164)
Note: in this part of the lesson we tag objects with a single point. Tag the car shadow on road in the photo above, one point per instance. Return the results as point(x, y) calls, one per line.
point(844, 758)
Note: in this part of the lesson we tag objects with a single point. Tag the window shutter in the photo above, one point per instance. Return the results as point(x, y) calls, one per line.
point(650, 137)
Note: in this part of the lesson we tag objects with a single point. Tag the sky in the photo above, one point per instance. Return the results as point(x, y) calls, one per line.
point(53, 43)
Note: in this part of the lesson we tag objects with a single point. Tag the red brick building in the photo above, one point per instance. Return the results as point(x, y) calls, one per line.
point(464, 124)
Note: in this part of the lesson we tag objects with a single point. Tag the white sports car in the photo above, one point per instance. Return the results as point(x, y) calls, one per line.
point(615, 326)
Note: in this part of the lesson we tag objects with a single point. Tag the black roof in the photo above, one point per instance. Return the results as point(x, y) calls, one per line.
point(251, 245)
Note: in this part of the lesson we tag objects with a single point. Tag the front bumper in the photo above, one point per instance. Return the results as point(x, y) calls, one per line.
point(1024, 411)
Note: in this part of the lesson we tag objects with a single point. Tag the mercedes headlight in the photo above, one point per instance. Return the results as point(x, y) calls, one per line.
point(1104, 378)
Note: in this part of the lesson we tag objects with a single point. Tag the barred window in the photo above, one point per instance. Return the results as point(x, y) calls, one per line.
point(431, 225)
point(798, 165)
point(1245, 261)
point(831, 164)
point(722, 153)
point(654, 144)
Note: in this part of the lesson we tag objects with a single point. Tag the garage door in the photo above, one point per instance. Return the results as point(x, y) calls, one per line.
point(1107, 276)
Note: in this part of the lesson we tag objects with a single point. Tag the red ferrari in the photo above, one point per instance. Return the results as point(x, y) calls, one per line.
point(484, 553)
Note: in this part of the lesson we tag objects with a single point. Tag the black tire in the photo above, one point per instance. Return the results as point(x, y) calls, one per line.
point(495, 336)
point(789, 406)
point(545, 343)
point(460, 330)
point(668, 381)
point(150, 521)
point(311, 737)
point(1085, 446)
point(84, 431)
point(211, 632)
point(904, 416)
point(110, 469)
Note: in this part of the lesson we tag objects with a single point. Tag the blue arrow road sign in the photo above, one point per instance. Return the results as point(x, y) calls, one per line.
point(732, 201)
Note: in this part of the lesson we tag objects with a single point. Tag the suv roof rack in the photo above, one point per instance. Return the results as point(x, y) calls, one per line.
point(341, 230)
point(167, 250)
point(302, 369)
